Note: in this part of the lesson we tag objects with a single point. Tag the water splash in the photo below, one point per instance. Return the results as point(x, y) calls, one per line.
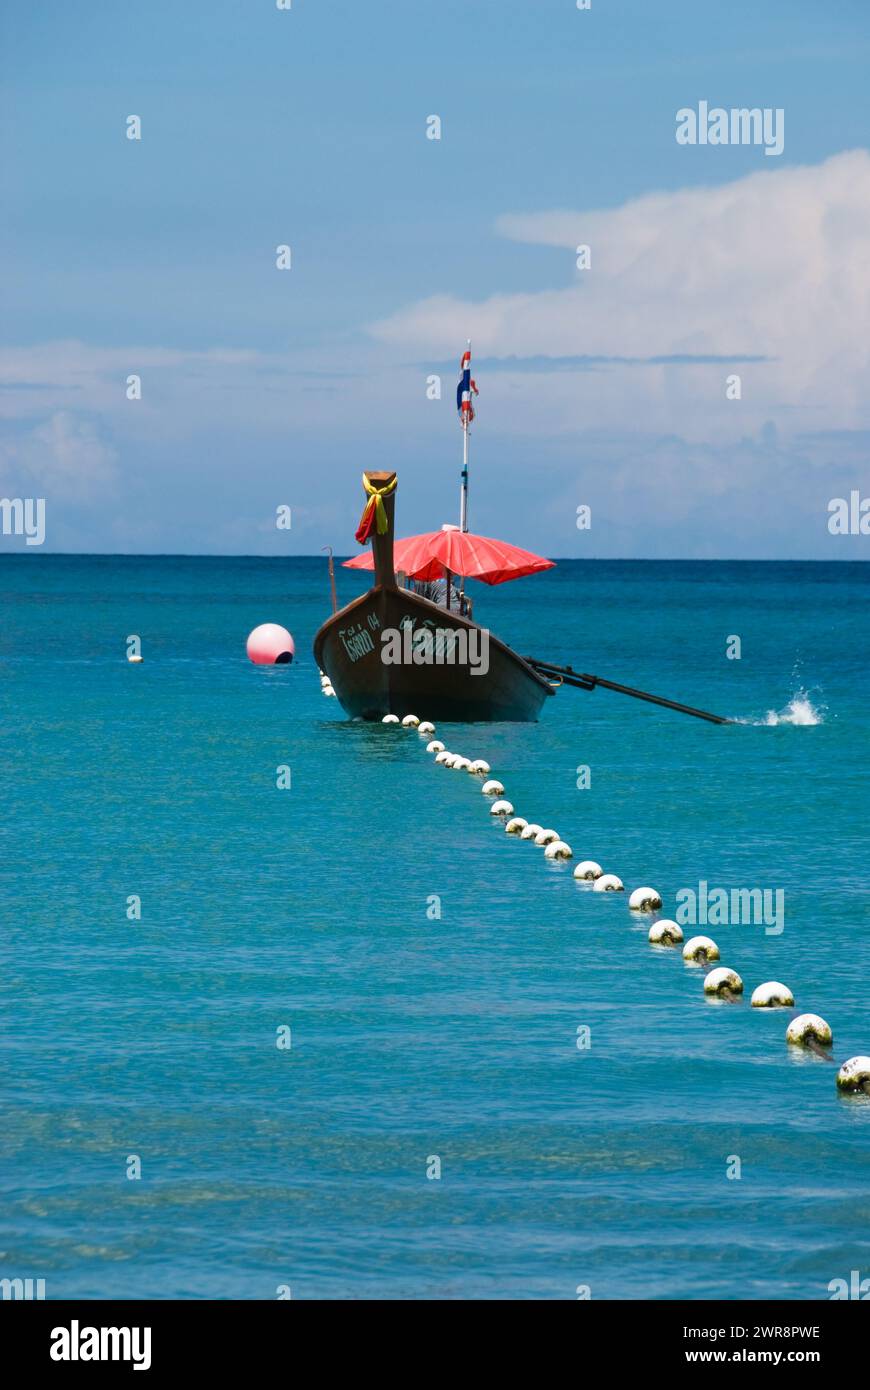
point(799, 710)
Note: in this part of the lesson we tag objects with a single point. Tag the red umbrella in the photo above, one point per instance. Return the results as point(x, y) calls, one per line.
point(461, 552)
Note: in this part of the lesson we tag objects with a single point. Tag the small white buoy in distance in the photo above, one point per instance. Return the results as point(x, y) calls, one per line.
point(854, 1075)
point(700, 949)
point(807, 1029)
point(390, 719)
point(588, 869)
point(492, 788)
point(558, 849)
point(723, 982)
point(546, 837)
point(516, 825)
point(427, 727)
point(772, 995)
point(644, 899)
point(531, 830)
point(608, 883)
point(436, 746)
point(410, 721)
point(501, 808)
point(444, 757)
point(480, 767)
point(665, 933)
point(461, 764)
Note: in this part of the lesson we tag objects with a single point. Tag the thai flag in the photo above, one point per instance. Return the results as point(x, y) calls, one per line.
point(465, 390)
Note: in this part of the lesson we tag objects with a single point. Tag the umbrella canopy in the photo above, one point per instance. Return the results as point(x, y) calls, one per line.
point(461, 552)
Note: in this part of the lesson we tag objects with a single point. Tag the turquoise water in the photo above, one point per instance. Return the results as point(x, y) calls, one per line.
point(415, 1036)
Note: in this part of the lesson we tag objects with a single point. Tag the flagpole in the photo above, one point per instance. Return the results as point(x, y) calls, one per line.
point(463, 494)
point(463, 500)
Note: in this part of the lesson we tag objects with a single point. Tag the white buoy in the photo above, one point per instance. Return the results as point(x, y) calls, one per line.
point(772, 995)
point(426, 727)
point(700, 949)
point(135, 657)
point(807, 1029)
point(558, 849)
point(328, 690)
point(325, 680)
point(854, 1075)
point(664, 932)
point(516, 825)
point(450, 759)
point(588, 869)
point(531, 831)
point(444, 757)
point(492, 788)
point(436, 746)
point(644, 899)
point(410, 721)
point(480, 767)
point(608, 883)
point(390, 719)
point(461, 764)
point(501, 808)
point(723, 981)
point(546, 837)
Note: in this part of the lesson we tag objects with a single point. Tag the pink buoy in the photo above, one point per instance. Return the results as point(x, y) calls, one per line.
point(270, 645)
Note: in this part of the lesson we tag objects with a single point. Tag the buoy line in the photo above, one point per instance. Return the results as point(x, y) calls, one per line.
point(808, 1031)
point(772, 995)
point(724, 983)
point(854, 1075)
point(699, 950)
point(665, 933)
point(645, 900)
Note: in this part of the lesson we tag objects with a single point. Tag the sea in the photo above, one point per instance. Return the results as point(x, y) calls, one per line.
point(287, 1014)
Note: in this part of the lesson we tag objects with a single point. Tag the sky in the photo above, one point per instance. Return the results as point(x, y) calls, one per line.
point(604, 387)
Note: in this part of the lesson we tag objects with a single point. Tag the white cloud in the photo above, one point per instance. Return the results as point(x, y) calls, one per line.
point(64, 458)
point(774, 265)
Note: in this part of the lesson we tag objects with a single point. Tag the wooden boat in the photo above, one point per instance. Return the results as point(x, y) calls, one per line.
point(357, 647)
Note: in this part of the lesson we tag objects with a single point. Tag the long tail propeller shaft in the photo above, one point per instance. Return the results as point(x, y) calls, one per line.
point(568, 676)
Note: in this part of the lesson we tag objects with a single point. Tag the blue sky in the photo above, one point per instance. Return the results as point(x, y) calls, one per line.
point(605, 387)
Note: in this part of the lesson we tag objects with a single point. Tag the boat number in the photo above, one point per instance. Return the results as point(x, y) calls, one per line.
point(356, 640)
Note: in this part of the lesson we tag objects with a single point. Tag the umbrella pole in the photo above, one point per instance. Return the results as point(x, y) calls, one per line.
point(463, 493)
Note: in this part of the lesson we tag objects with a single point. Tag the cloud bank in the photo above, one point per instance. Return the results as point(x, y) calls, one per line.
point(775, 266)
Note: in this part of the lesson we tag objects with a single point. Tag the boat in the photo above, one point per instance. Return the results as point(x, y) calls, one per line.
point(394, 651)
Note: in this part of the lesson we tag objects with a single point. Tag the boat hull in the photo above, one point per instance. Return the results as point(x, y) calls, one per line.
point(349, 647)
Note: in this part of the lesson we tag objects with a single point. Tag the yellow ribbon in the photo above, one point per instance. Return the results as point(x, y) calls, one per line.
point(376, 500)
